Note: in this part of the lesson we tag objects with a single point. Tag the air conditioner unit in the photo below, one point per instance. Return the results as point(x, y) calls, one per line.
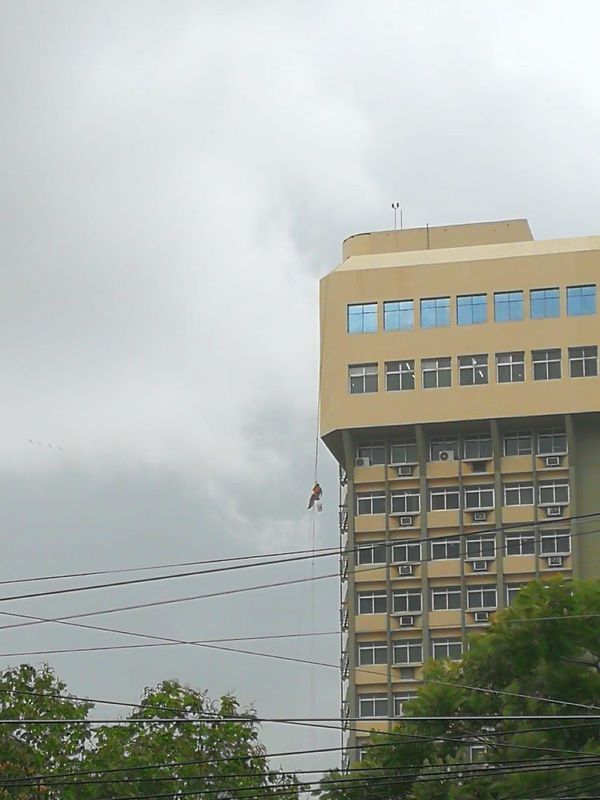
point(446, 455)
point(405, 569)
point(480, 566)
point(555, 561)
point(479, 466)
point(362, 462)
point(405, 471)
point(553, 511)
point(407, 622)
point(481, 616)
point(406, 522)
point(479, 516)
point(407, 673)
point(552, 461)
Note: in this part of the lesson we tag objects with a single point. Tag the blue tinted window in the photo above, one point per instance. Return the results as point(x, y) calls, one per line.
point(544, 303)
point(508, 306)
point(471, 309)
point(435, 312)
point(398, 315)
point(581, 300)
point(362, 318)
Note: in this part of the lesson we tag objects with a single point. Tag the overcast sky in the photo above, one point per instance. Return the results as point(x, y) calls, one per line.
point(175, 177)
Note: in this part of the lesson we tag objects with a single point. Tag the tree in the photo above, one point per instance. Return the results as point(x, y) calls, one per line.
point(204, 748)
point(546, 646)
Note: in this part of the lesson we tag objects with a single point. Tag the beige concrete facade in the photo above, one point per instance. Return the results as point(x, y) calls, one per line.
point(455, 495)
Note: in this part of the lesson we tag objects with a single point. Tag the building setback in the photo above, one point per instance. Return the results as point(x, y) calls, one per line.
point(460, 396)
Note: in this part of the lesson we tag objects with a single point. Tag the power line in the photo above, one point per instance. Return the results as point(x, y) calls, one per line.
point(292, 720)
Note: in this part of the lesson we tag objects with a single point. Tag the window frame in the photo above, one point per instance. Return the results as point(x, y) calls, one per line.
point(476, 545)
point(374, 698)
point(446, 592)
point(371, 547)
point(525, 541)
point(467, 373)
point(585, 360)
point(399, 698)
point(479, 438)
point(555, 535)
point(410, 645)
point(448, 643)
point(407, 495)
point(440, 372)
point(364, 315)
point(368, 371)
point(461, 308)
point(448, 544)
point(370, 497)
point(407, 595)
point(399, 311)
point(552, 434)
point(438, 309)
point(514, 305)
point(512, 590)
point(375, 648)
point(555, 486)
point(518, 436)
point(571, 312)
point(403, 443)
point(480, 490)
point(511, 366)
point(544, 362)
point(409, 546)
point(519, 487)
point(550, 303)
point(485, 604)
point(367, 449)
point(369, 600)
point(405, 373)
point(438, 444)
point(444, 492)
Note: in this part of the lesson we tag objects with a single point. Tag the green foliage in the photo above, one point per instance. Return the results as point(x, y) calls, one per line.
point(201, 750)
point(547, 645)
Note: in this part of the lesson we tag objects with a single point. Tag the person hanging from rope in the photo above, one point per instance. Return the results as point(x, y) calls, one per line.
point(317, 494)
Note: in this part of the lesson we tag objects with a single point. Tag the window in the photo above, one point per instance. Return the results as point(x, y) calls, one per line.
point(407, 601)
point(374, 451)
point(362, 318)
point(408, 651)
point(512, 590)
point(404, 452)
point(473, 370)
point(399, 376)
point(478, 445)
point(518, 444)
point(544, 303)
point(442, 444)
point(581, 300)
point(398, 315)
point(482, 597)
point(435, 312)
point(400, 699)
point(372, 653)
point(437, 372)
point(444, 498)
point(471, 309)
point(508, 306)
point(406, 501)
point(510, 367)
point(363, 378)
point(370, 503)
point(445, 597)
point(447, 648)
point(518, 494)
point(372, 602)
point(477, 753)
point(556, 542)
point(372, 705)
point(583, 361)
point(482, 545)
point(409, 553)
point(546, 364)
point(444, 549)
point(373, 553)
point(552, 442)
point(479, 497)
point(520, 544)
point(553, 493)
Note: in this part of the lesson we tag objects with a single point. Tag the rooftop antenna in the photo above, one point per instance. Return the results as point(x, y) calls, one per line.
point(395, 208)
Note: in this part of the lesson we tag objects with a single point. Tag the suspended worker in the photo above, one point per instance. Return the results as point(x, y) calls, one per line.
point(317, 494)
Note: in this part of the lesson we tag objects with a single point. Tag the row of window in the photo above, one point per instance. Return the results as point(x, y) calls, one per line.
point(473, 370)
point(474, 446)
point(478, 546)
point(471, 309)
point(475, 498)
point(376, 705)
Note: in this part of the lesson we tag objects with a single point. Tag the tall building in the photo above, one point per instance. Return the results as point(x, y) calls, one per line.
point(460, 396)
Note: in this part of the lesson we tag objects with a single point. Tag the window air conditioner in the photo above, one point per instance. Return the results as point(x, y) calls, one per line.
point(446, 455)
point(552, 461)
point(555, 561)
point(482, 616)
point(480, 566)
point(479, 516)
point(362, 462)
point(407, 622)
point(405, 569)
point(406, 522)
point(407, 673)
point(553, 511)
point(405, 471)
